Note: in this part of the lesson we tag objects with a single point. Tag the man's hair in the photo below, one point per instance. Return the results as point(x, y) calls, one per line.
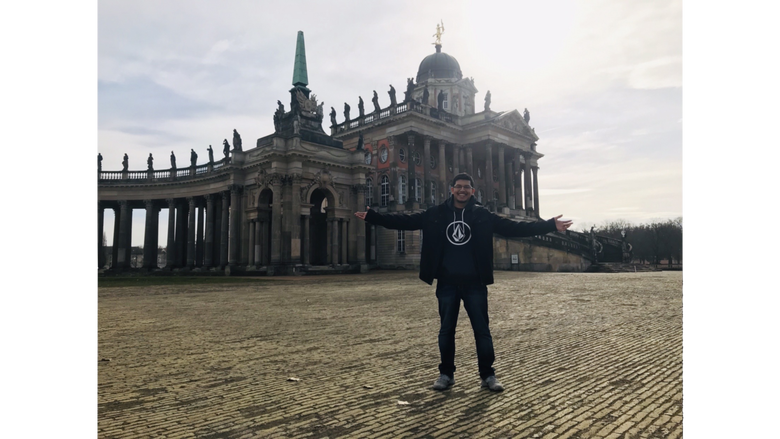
point(462, 176)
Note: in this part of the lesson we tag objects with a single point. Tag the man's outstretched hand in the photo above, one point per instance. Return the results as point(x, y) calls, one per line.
point(561, 226)
point(362, 215)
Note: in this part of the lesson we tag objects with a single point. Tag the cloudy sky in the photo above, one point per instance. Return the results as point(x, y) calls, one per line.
point(602, 81)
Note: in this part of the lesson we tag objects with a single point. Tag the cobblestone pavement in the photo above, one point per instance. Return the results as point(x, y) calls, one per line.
point(581, 356)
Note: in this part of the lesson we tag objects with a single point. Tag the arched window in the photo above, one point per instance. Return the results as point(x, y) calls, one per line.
point(416, 157)
point(402, 190)
point(402, 155)
point(369, 191)
point(385, 191)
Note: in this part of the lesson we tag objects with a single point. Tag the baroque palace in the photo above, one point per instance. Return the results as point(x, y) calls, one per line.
point(286, 206)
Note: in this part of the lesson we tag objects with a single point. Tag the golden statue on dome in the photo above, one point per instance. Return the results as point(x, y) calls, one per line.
point(439, 31)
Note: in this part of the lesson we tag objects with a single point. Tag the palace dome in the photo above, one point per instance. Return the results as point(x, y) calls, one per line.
point(439, 65)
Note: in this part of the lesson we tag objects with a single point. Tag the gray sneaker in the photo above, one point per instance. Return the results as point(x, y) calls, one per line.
point(444, 382)
point(492, 383)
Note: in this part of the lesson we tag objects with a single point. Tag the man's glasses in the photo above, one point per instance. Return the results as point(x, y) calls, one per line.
point(459, 187)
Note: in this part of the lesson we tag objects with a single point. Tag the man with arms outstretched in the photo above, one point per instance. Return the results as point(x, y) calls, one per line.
point(457, 250)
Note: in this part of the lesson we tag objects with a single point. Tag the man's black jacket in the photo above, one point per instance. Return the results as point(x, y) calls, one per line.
point(483, 223)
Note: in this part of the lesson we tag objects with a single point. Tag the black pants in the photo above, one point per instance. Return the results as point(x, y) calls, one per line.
point(474, 299)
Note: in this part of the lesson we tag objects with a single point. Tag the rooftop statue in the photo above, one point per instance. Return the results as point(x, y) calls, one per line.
point(391, 92)
point(361, 109)
point(236, 141)
point(173, 160)
point(440, 100)
point(426, 95)
point(225, 148)
point(487, 101)
point(439, 31)
point(346, 112)
point(193, 158)
point(375, 100)
point(526, 116)
point(333, 122)
point(211, 155)
point(124, 163)
point(150, 162)
point(100, 162)
point(409, 89)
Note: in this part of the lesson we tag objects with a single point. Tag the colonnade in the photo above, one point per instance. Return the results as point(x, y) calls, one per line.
point(213, 231)
point(517, 177)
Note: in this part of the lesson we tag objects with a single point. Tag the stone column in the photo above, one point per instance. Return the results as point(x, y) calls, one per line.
point(251, 243)
point(535, 170)
point(295, 219)
point(150, 237)
point(334, 241)
point(344, 234)
point(527, 183)
point(518, 177)
point(267, 240)
point(360, 226)
point(235, 224)
point(182, 220)
point(101, 250)
point(509, 186)
point(410, 174)
point(426, 189)
point(257, 250)
point(489, 173)
point(199, 239)
point(501, 177)
point(191, 233)
point(115, 240)
point(223, 235)
point(377, 190)
point(170, 250)
point(306, 240)
point(125, 220)
point(442, 172)
point(455, 160)
point(470, 161)
point(209, 247)
point(276, 220)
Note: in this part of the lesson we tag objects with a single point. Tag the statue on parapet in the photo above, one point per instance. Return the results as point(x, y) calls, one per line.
point(173, 160)
point(150, 163)
point(211, 155)
point(375, 101)
point(526, 116)
point(361, 108)
point(321, 111)
point(333, 122)
point(225, 148)
point(346, 112)
point(100, 162)
point(193, 158)
point(426, 96)
point(236, 140)
point(487, 101)
point(409, 89)
point(391, 92)
point(440, 100)
point(125, 162)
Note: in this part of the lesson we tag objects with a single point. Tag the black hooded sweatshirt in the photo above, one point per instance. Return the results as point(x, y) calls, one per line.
point(466, 238)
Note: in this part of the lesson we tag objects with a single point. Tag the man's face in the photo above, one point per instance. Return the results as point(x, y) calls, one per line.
point(462, 191)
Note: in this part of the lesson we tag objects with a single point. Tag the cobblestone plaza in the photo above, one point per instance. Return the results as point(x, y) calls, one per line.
point(581, 356)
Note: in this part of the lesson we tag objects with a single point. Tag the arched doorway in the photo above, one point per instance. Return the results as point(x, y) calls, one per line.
point(318, 228)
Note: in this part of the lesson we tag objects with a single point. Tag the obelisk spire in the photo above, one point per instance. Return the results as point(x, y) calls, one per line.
point(300, 77)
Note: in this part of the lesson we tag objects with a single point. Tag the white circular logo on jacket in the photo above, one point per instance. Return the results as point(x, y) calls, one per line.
point(458, 232)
